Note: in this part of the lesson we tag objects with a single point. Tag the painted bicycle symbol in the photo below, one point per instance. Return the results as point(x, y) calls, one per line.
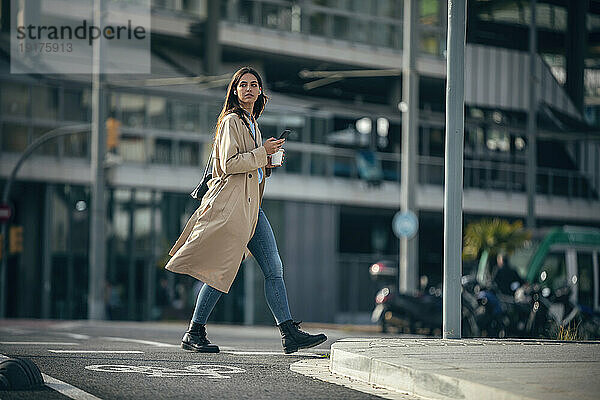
point(210, 371)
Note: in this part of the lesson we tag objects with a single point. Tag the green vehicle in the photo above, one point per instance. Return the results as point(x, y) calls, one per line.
point(561, 257)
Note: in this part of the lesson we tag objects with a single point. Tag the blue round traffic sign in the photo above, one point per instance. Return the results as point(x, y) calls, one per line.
point(405, 224)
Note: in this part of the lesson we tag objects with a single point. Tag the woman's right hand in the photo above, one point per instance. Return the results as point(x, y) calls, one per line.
point(273, 145)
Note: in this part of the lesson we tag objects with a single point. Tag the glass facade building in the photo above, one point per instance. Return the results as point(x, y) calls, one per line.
point(332, 204)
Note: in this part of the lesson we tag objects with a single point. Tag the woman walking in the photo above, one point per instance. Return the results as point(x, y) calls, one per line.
point(229, 223)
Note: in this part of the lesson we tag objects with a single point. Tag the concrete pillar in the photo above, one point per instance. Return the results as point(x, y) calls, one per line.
point(576, 49)
point(212, 46)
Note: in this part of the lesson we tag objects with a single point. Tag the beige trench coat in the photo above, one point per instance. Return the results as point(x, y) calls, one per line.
point(214, 241)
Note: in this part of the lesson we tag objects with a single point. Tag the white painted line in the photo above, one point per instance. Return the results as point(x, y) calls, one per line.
point(67, 390)
point(62, 387)
point(75, 335)
point(148, 342)
point(98, 351)
point(44, 343)
point(270, 353)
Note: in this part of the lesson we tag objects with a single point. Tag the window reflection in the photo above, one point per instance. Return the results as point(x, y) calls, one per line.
point(188, 153)
point(77, 104)
point(185, 116)
point(50, 148)
point(14, 137)
point(132, 148)
point(132, 109)
point(14, 98)
point(44, 102)
point(162, 151)
point(158, 112)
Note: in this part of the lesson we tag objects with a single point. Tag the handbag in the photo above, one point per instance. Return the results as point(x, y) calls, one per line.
point(202, 187)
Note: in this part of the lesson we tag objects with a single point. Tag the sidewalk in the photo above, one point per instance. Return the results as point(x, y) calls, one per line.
point(473, 368)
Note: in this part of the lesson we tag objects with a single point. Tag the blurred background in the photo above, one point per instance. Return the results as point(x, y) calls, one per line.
point(332, 69)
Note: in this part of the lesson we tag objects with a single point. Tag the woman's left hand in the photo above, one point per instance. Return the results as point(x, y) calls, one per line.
point(269, 165)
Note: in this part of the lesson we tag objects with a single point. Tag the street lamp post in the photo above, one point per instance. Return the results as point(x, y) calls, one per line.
point(453, 187)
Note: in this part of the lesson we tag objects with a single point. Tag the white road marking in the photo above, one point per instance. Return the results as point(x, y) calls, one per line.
point(75, 335)
point(269, 353)
point(208, 370)
point(319, 369)
point(44, 343)
point(98, 351)
point(148, 342)
point(68, 390)
point(63, 387)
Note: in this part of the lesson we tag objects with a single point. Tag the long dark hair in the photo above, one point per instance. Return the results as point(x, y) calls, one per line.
point(232, 104)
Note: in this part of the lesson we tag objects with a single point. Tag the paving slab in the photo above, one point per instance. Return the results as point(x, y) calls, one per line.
point(505, 369)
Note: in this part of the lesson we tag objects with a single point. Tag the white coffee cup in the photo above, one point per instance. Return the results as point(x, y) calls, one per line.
point(277, 158)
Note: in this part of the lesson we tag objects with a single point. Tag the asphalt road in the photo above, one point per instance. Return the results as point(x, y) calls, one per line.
point(130, 360)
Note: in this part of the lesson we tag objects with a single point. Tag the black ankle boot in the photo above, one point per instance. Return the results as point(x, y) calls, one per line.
point(292, 338)
point(195, 339)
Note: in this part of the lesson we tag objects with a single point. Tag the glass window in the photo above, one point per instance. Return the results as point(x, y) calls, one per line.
point(14, 137)
point(185, 116)
point(132, 148)
point(292, 163)
point(318, 164)
point(341, 27)
point(318, 130)
point(76, 145)
point(436, 142)
point(77, 104)
point(162, 151)
point(143, 220)
point(276, 17)
point(585, 279)
point(59, 220)
point(79, 207)
point(14, 98)
point(317, 23)
point(390, 8)
point(158, 112)
point(553, 273)
point(44, 102)
point(120, 226)
point(430, 43)
point(296, 124)
point(429, 12)
point(50, 148)
point(132, 109)
point(188, 153)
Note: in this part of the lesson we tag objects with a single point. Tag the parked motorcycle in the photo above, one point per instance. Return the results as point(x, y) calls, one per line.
point(420, 313)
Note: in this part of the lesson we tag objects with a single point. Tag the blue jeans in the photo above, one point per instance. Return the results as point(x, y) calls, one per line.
point(264, 249)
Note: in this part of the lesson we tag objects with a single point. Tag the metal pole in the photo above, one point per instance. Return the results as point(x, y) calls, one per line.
point(409, 268)
point(454, 169)
point(531, 123)
point(97, 260)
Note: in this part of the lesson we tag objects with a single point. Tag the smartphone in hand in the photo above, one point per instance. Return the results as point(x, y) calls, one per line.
point(284, 134)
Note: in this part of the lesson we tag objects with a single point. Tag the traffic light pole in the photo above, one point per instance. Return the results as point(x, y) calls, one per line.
point(97, 256)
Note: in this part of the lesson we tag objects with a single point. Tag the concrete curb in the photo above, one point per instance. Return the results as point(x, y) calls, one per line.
point(419, 381)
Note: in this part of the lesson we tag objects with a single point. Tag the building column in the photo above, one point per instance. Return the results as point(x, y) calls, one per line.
point(576, 49)
point(212, 45)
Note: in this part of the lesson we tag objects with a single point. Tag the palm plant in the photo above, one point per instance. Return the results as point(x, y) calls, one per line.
point(486, 238)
